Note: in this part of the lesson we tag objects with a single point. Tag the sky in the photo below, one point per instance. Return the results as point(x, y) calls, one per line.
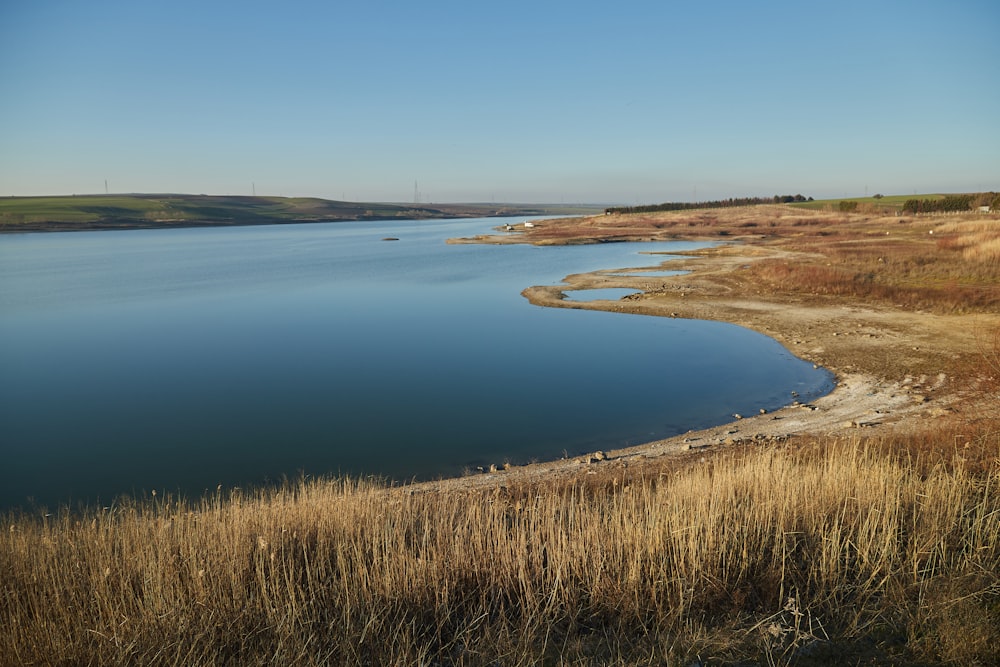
point(517, 101)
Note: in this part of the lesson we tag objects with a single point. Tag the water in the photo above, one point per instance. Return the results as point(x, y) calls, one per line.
point(180, 360)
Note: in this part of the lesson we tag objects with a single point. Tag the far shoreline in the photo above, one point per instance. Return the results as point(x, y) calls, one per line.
point(63, 213)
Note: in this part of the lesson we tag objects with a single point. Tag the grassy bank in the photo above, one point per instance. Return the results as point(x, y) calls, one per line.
point(853, 551)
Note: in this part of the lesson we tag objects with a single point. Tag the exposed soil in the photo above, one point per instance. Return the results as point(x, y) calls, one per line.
point(896, 368)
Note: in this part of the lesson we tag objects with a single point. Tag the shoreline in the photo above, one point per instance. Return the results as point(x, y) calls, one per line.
point(893, 369)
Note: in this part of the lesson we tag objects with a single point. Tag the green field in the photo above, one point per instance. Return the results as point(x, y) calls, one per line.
point(887, 202)
point(158, 211)
point(74, 209)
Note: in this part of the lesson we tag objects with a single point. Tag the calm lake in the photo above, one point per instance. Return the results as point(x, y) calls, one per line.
point(179, 360)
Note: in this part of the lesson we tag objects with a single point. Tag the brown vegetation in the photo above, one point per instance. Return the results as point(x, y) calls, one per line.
point(874, 546)
point(826, 551)
point(954, 269)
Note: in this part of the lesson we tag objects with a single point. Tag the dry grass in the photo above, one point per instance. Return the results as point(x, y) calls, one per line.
point(954, 270)
point(851, 550)
point(978, 240)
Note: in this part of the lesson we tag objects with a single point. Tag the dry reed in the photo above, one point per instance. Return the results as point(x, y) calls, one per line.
point(779, 555)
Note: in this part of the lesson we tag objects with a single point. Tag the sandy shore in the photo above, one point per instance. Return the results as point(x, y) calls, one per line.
point(894, 368)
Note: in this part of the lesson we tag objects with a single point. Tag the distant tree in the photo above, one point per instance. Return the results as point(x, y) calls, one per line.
point(947, 204)
point(720, 203)
point(985, 199)
point(957, 203)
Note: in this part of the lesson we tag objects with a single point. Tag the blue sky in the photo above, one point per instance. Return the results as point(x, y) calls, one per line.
point(625, 102)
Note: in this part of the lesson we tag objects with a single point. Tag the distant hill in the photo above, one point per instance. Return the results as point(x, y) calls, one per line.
point(157, 211)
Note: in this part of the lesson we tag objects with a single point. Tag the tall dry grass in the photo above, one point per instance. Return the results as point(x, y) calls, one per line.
point(954, 270)
point(978, 240)
point(849, 551)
